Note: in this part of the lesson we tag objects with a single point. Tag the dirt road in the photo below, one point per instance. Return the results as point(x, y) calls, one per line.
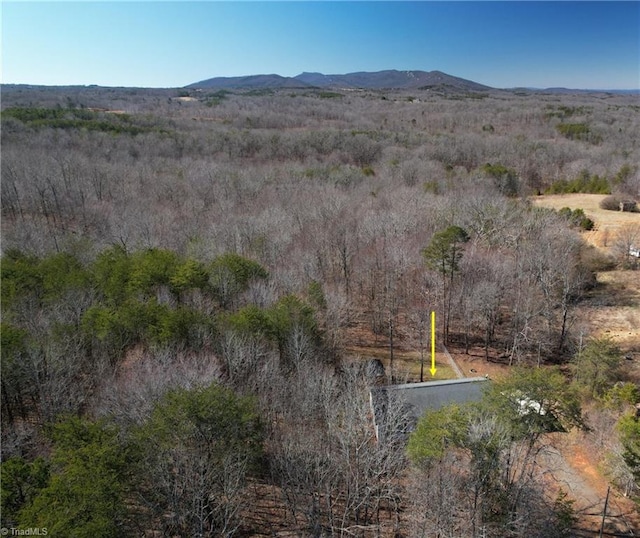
point(567, 467)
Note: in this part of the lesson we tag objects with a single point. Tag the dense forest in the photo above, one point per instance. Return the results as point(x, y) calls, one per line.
point(185, 271)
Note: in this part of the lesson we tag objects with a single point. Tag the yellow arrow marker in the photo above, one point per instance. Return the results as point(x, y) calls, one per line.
point(433, 344)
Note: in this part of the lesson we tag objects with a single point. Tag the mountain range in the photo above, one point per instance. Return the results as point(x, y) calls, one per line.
point(389, 79)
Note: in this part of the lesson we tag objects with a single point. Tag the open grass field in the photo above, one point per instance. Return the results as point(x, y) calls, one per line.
point(608, 223)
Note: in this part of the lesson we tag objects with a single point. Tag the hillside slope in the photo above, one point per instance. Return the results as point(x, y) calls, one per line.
point(388, 79)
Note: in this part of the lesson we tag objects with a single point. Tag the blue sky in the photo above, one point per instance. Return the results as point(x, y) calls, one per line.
point(170, 44)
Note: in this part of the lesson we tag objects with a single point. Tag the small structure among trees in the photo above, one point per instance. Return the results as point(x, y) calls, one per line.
point(619, 203)
point(491, 449)
point(417, 398)
point(628, 205)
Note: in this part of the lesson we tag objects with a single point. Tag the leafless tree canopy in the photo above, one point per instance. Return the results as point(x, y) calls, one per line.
point(256, 236)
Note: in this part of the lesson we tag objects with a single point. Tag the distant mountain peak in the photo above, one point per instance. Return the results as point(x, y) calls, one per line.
point(249, 82)
point(387, 79)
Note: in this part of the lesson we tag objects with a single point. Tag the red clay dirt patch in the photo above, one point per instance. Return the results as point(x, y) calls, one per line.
point(568, 467)
point(622, 514)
